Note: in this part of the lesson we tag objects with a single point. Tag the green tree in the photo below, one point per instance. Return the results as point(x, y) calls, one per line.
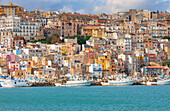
point(48, 40)
point(166, 63)
point(166, 37)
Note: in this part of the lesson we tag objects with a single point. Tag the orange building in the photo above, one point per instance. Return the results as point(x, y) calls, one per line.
point(148, 44)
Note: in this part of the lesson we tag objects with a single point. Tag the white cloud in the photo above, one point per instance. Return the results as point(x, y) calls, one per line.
point(70, 9)
point(82, 11)
point(112, 6)
point(66, 9)
point(161, 1)
point(92, 6)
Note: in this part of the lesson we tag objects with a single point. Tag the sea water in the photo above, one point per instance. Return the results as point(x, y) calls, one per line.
point(92, 98)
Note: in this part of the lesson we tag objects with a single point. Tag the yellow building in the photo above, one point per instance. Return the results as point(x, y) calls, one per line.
point(108, 65)
point(112, 68)
point(64, 50)
point(140, 58)
point(29, 71)
point(93, 22)
point(31, 63)
point(2, 62)
point(19, 74)
point(93, 30)
point(9, 10)
point(105, 61)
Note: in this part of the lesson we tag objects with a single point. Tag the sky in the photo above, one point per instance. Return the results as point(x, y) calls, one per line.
point(91, 6)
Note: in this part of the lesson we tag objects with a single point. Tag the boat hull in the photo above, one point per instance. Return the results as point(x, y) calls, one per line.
point(74, 84)
point(162, 82)
point(118, 83)
point(11, 84)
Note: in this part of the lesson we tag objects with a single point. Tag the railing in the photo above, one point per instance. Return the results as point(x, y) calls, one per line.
point(97, 70)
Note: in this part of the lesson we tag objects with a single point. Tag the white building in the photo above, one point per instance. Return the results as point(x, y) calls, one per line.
point(124, 40)
point(10, 23)
point(70, 40)
point(19, 28)
point(96, 69)
point(6, 41)
point(128, 43)
point(29, 28)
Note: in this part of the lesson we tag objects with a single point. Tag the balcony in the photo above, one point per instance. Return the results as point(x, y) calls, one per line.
point(97, 70)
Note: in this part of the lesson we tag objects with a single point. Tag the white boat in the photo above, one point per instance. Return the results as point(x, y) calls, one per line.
point(159, 82)
point(121, 82)
point(0, 83)
point(74, 83)
point(11, 82)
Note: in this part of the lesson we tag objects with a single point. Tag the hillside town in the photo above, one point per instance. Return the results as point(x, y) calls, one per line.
point(50, 46)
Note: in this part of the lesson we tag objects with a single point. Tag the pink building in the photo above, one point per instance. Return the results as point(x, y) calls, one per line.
point(13, 66)
point(10, 58)
point(120, 64)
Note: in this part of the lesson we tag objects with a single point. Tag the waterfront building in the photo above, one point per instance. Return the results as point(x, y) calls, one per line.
point(13, 65)
point(96, 70)
point(4, 70)
point(130, 42)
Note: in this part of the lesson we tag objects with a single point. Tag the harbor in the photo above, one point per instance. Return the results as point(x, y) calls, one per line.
point(84, 55)
point(94, 98)
point(70, 80)
point(70, 49)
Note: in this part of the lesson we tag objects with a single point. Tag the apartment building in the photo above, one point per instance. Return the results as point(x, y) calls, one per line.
point(29, 28)
point(96, 70)
point(6, 34)
point(6, 41)
point(76, 16)
point(18, 41)
point(124, 43)
point(93, 30)
point(9, 10)
point(20, 28)
point(70, 28)
point(10, 23)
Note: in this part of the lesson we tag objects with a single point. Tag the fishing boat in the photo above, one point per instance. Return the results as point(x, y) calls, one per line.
point(159, 82)
point(2, 79)
point(12, 82)
point(121, 82)
point(74, 83)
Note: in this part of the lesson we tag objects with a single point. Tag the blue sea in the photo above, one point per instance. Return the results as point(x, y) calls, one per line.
point(93, 98)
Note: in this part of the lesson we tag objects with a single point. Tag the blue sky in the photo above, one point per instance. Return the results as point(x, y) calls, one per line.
point(91, 6)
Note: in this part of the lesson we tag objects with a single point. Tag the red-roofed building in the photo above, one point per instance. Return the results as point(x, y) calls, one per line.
point(151, 57)
point(75, 16)
point(101, 21)
point(156, 70)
